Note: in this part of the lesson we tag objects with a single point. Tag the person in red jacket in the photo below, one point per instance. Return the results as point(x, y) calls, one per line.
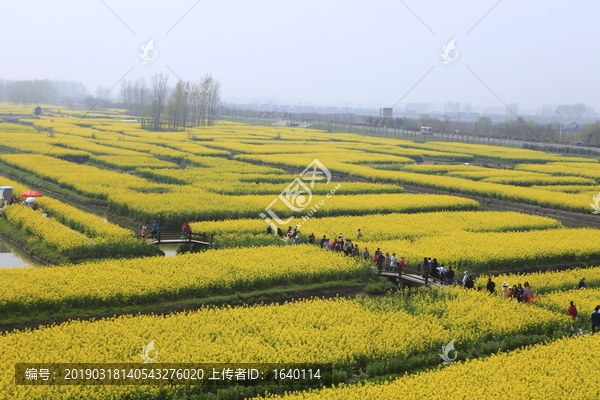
point(401, 266)
point(572, 310)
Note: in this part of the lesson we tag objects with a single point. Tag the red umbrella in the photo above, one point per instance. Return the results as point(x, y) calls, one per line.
point(32, 193)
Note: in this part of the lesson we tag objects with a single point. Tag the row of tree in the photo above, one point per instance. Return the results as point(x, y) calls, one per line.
point(161, 107)
point(575, 111)
point(519, 128)
point(41, 91)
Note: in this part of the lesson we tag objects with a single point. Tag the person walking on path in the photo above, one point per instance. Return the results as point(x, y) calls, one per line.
point(581, 283)
point(366, 254)
point(401, 266)
point(426, 270)
point(491, 286)
point(450, 276)
point(359, 234)
point(527, 292)
point(323, 240)
point(505, 290)
point(519, 293)
point(347, 247)
point(311, 238)
point(442, 272)
point(355, 251)
point(469, 283)
point(572, 310)
point(596, 320)
point(393, 262)
point(143, 232)
point(465, 278)
point(185, 229)
point(434, 268)
point(154, 228)
point(380, 262)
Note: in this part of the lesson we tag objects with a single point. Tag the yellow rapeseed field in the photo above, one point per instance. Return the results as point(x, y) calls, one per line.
point(154, 279)
point(564, 369)
point(339, 331)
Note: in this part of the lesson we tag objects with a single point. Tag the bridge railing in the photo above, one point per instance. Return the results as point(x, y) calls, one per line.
point(414, 270)
point(161, 236)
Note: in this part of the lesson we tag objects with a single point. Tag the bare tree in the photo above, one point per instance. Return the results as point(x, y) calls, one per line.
point(187, 104)
point(158, 95)
point(178, 107)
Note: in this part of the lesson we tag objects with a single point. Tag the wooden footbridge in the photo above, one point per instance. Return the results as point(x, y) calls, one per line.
point(409, 277)
point(176, 237)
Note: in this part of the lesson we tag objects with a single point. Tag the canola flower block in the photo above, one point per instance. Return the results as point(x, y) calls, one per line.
point(11, 129)
point(196, 149)
point(154, 279)
point(551, 180)
point(350, 334)
point(569, 188)
point(467, 313)
point(237, 184)
point(48, 230)
point(74, 233)
point(90, 225)
point(563, 201)
point(466, 171)
point(591, 163)
point(98, 149)
point(585, 300)
point(131, 162)
point(563, 369)
point(77, 177)
point(166, 143)
point(147, 147)
point(171, 211)
point(241, 188)
point(483, 173)
point(382, 227)
point(586, 170)
point(500, 153)
point(335, 331)
point(226, 165)
point(549, 281)
point(339, 161)
point(43, 145)
point(200, 176)
point(480, 252)
point(416, 154)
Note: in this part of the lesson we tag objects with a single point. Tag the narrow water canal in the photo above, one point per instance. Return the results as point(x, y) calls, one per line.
point(11, 256)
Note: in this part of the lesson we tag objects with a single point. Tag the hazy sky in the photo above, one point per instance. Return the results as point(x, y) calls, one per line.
point(318, 52)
